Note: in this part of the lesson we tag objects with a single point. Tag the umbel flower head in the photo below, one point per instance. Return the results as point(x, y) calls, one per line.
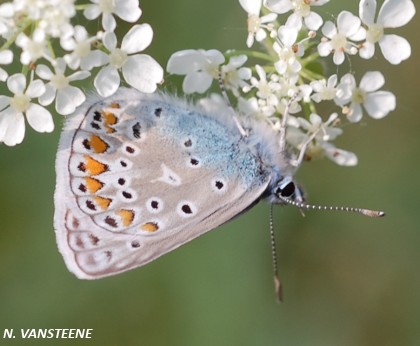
point(42, 36)
point(289, 41)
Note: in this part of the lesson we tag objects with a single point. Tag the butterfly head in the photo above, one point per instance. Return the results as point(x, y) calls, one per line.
point(285, 189)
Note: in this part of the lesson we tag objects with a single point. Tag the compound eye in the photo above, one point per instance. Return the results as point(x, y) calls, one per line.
point(288, 189)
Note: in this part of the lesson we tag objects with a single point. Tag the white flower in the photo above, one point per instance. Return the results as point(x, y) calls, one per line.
point(324, 90)
point(55, 18)
point(393, 14)
point(81, 52)
point(200, 67)
point(339, 156)
point(234, 75)
point(376, 103)
point(141, 71)
point(6, 58)
point(67, 97)
point(255, 108)
point(300, 131)
point(266, 90)
point(33, 48)
point(287, 51)
point(13, 109)
point(6, 19)
point(348, 28)
point(256, 24)
point(127, 10)
point(51, 16)
point(301, 11)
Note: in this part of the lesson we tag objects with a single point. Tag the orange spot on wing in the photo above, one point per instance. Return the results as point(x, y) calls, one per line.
point(127, 216)
point(98, 145)
point(150, 227)
point(103, 202)
point(93, 184)
point(109, 120)
point(94, 167)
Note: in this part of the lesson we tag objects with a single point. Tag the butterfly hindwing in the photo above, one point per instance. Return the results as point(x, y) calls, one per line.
point(139, 175)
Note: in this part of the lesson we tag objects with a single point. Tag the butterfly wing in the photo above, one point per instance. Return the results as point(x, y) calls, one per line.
point(139, 175)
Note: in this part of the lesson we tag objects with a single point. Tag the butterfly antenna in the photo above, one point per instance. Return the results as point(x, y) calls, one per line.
point(283, 126)
point(242, 131)
point(362, 211)
point(277, 283)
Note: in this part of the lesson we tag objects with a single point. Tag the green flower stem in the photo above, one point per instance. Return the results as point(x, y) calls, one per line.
point(250, 54)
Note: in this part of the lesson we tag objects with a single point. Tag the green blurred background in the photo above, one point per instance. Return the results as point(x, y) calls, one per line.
point(348, 280)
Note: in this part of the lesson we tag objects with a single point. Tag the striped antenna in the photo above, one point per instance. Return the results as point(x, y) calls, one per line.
point(362, 211)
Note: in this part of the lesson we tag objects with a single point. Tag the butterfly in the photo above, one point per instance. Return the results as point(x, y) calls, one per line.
point(139, 175)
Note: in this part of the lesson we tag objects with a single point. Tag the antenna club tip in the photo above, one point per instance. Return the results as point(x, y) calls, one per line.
point(278, 289)
point(373, 213)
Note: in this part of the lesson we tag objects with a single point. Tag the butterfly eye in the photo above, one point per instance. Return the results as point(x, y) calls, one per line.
point(288, 190)
point(285, 188)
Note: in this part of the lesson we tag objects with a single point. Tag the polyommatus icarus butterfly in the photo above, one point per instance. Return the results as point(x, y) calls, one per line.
point(138, 175)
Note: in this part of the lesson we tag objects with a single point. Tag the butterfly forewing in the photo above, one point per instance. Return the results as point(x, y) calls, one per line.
point(139, 175)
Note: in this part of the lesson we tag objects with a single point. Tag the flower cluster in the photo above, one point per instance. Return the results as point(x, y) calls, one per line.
point(55, 54)
point(288, 83)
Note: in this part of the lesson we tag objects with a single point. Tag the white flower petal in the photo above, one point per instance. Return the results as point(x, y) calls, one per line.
point(251, 6)
point(279, 6)
point(348, 23)
point(128, 10)
point(396, 13)
point(249, 40)
point(92, 12)
point(372, 81)
point(39, 118)
point(268, 18)
point(367, 51)
point(329, 29)
point(48, 96)
point(79, 75)
point(287, 35)
point(17, 83)
point(324, 48)
point(313, 21)
point(137, 39)
point(379, 104)
point(35, 89)
point(367, 11)
point(68, 99)
point(3, 75)
point(197, 82)
point(94, 59)
point(294, 21)
point(6, 57)
point(340, 156)
point(142, 72)
point(260, 35)
point(356, 112)
point(338, 57)
point(12, 127)
point(110, 41)
point(185, 61)
point(359, 35)
point(332, 81)
point(44, 72)
point(395, 48)
point(107, 81)
point(4, 102)
point(215, 56)
point(108, 22)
